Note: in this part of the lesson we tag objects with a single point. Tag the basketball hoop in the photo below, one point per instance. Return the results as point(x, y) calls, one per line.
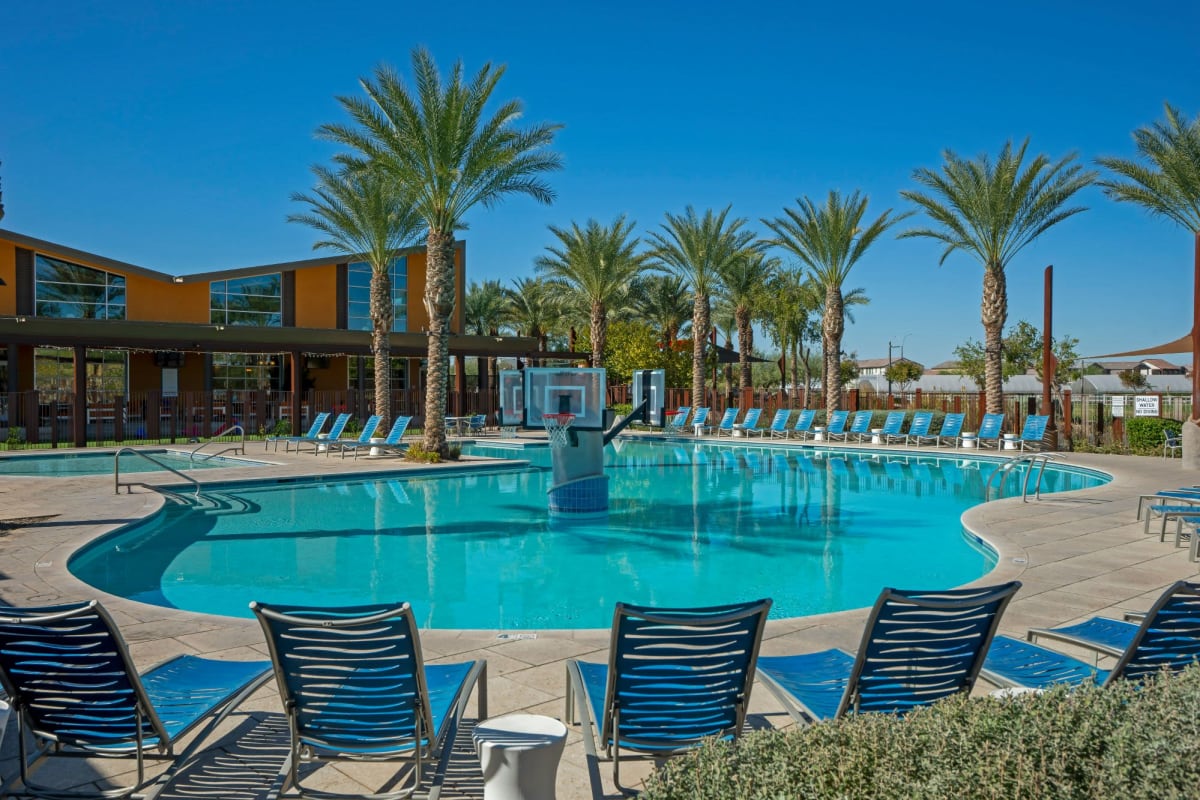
point(557, 426)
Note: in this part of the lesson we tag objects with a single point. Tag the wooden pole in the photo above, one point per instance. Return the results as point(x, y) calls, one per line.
point(1048, 366)
point(1196, 333)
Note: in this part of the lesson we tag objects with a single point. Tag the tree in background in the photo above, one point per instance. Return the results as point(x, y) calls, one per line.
point(664, 303)
point(743, 288)
point(787, 318)
point(597, 263)
point(535, 308)
point(635, 345)
point(903, 373)
point(486, 308)
point(1022, 347)
point(1132, 379)
point(448, 155)
point(830, 239)
point(365, 214)
point(847, 371)
point(992, 211)
point(697, 249)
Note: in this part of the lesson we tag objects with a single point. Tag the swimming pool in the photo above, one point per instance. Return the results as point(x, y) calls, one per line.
point(689, 524)
point(100, 462)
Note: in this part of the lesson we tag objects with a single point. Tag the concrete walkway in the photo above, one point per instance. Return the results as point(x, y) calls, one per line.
point(1077, 554)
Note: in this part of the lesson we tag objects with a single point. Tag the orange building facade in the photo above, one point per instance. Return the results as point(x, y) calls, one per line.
point(75, 323)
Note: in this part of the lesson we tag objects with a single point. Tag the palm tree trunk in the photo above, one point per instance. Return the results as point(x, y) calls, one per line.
point(994, 314)
point(806, 355)
point(699, 342)
point(439, 303)
point(599, 333)
point(832, 327)
point(796, 376)
point(382, 311)
point(745, 343)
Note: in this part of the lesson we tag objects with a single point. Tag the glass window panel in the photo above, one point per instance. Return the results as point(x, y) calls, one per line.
point(71, 292)
point(116, 280)
point(252, 318)
point(216, 300)
point(358, 294)
point(53, 269)
point(116, 294)
point(216, 316)
point(267, 285)
point(114, 312)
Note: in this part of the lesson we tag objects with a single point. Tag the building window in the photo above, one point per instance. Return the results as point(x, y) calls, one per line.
point(71, 291)
point(399, 374)
point(257, 301)
point(244, 372)
point(54, 372)
point(358, 295)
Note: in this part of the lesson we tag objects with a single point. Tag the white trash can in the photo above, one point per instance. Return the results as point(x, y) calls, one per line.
point(519, 756)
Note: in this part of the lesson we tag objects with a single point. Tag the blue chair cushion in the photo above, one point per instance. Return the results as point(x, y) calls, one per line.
point(1012, 662)
point(816, 680)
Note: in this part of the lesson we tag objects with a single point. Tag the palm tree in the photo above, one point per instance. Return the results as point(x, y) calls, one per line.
point(829, 240)
point(743, 286)
point(991, 211)
point(790, 302)
point(364, 213)
point(440, 145)
point(664, 303)
point(597, 263)
point(1166, 182)
point(535, 308)
point(698, 250)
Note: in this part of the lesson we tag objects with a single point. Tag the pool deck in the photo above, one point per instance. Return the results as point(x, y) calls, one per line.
point(1077, 555)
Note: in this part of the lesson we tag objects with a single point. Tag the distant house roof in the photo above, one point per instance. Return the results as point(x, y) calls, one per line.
point(875, 363)
point(1117, 366)
point(1160, 363)
point(945, 366)
point(1111, 384)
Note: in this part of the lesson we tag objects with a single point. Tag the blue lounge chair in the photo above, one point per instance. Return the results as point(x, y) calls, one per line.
point(778, 426)
point(364, 437)
point(700, 421)
point(316, 427)
point(1034, 430)
point(1167, 638)
point(892, 424)
point(675, 677)
point(950, 430)
point(860, 428)
point(803, 426)
point(674, 423)
point(392, 444)
point(836, 425)
point(726, 423)
point(75, 692)
point(918, 647)
point(355, 687)
point(475, 424)
point(749, 424)
point(339, 425)
point(990, 429)
point(918, 429)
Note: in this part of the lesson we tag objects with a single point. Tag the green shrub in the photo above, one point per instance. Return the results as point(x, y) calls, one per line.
point(1146, 433)
point(622, 409)
point(417, 452)
point(282, 428)
point(16, 438)
point(1121, 742)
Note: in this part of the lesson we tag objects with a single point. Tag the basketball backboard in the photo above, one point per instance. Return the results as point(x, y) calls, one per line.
point(651, 385)
point(512, 397)
point(563, 390)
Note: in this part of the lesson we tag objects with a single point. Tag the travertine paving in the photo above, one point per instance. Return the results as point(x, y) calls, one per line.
point(1077, 555)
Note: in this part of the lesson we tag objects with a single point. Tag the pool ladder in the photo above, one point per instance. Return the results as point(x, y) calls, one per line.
point(128, 484)
point(239, 447)
point(1032, 459)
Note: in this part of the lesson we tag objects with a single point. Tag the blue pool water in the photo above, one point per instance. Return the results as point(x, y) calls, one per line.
point(65, 465)
point(688, 525)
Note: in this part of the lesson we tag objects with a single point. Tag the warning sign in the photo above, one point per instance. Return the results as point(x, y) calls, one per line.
point(1145, 405)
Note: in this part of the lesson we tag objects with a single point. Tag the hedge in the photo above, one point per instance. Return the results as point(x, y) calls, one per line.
point(1120, 741)
point(1146, 433)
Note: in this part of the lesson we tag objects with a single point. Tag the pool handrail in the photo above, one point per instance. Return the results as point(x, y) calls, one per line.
point(155, 461)
point(239, 448)
point(1039, 459)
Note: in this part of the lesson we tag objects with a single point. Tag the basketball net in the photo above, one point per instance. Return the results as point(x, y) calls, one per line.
point(557, 426)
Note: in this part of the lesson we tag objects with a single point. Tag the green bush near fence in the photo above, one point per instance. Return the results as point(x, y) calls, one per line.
point(1122, 741)
point(1146, 433)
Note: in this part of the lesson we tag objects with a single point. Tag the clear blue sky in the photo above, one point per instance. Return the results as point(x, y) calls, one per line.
point(171, 135)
